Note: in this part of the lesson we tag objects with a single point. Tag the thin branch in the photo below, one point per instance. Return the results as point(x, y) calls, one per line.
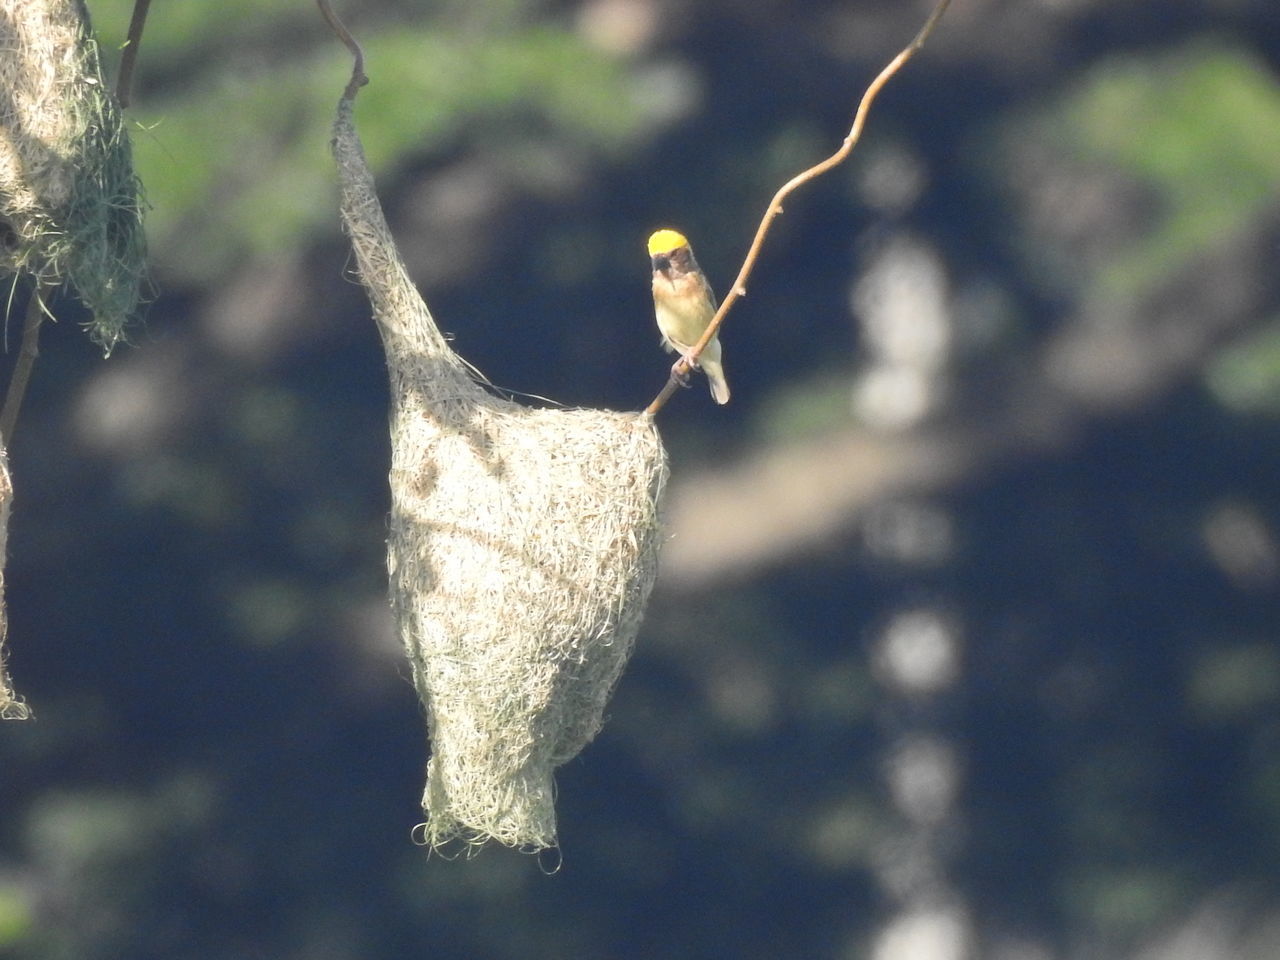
point(129, 58)
point(27, 354)
point(358, 79)
point(739, 288)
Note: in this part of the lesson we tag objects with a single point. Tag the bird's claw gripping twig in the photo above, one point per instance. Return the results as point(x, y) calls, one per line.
point(681, 375)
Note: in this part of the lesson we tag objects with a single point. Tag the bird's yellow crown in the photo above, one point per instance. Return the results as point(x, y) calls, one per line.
point(664, 241)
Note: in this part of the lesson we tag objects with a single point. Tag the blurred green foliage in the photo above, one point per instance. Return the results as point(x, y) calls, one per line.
point(1245, 376)
point(1199, 125)
point(1196, 131)
point(16, 917)
point(234, 153)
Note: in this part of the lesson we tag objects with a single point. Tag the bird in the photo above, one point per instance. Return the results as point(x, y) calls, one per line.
point(684, 304)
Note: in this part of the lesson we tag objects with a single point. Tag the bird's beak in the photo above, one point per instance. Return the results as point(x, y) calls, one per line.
point(661, 263)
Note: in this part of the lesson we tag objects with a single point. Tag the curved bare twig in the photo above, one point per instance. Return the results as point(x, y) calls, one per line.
point(129, 58)
point(739, 288)
point(358, 78)
point(26, 362)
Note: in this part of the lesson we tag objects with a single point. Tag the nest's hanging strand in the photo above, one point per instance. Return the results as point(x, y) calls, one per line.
point(403, 319)
point(11, 707)
point(739, 288)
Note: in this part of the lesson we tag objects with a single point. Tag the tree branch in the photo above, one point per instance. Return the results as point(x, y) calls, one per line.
point(129, 58)
point(27, 354)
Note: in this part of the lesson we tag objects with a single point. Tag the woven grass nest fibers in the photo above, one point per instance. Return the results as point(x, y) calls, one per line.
point(70, 205)
point(11, 707)
point(523, 546)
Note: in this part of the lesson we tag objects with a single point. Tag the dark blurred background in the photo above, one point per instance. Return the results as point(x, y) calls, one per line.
point(965, 645)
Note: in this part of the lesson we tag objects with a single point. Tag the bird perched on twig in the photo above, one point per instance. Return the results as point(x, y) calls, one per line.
point(684, 304)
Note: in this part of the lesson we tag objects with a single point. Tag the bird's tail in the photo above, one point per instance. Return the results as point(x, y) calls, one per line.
point(715, 375)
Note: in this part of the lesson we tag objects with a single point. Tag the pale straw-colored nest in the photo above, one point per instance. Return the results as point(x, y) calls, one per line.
point(523, 546)
point(11, 708)
point(70, 210)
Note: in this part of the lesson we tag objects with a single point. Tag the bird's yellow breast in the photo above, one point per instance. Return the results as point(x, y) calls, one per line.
point(683, 307)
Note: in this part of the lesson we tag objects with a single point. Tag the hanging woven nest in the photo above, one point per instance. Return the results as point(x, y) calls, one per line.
point(11, 708)
point(70, 210)
point(523, 546)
